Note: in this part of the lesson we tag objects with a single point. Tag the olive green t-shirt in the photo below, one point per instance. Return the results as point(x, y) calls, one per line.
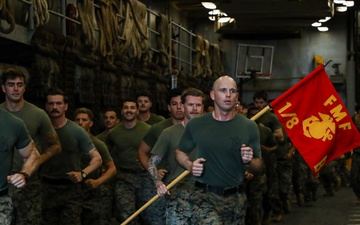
point(37, 123)
point(154, 119)
point(104, 153)
point(219, 143)
point(74, 142)
point(13, 134)
point(123, 144)
point(165, 148)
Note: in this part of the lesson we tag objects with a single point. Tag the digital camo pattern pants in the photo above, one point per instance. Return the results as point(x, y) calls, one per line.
point(132, 191)
point(6, 208)
point(178, 207)
point(27, 202)
point(98, 205)
point(255, 190)
point(213, 209)
point(62, 204)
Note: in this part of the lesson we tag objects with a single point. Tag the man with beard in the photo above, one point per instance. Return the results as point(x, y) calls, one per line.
point(176, 110)
point(27, 201)
point(111, 119)
point(62, 175)
point(178, 210)
point(144, 99)
point(123, 142)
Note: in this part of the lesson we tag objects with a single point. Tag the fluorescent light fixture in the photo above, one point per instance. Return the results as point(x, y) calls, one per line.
point(214, 12)
point(212, 18)
point(224, 19)
point(339, 1)
point(209, 5)
point(325, 19)
point(323, 29)
point(316, 24)
point(231, 20)
point(341, 8)
point(349, 3)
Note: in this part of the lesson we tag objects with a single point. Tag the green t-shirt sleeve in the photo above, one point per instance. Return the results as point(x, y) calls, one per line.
point(103, 151)
point(85, 142)
point(24, 138)
point(160, 147)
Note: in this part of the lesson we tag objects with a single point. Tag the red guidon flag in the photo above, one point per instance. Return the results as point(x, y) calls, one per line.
point(316, 120)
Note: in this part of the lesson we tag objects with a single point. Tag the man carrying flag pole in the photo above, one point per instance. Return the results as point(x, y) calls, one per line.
point(316, 120)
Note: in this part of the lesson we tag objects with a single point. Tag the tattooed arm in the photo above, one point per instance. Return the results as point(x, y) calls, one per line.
point(160, 186)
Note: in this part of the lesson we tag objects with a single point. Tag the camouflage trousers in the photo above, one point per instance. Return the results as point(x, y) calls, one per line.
point(132, 191)
point(178, 207)
point(6, 208)
point(27, 202)
point(255, 190)
point(62, 204)
point(97, 205)
point(209, 208)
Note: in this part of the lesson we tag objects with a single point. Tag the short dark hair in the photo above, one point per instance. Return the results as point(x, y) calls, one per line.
point(173, 93)
point(8, 71)
point(58, 91)
point(192, 92)
point(130, 100)
point(84, 111)
point(144, 93)
point(112, 110)
point(261, 94)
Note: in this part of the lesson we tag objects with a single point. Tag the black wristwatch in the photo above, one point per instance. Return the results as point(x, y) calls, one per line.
point(83, 175)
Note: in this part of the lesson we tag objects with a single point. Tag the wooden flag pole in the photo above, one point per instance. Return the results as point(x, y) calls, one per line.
point(264, 110)
point(184, 174)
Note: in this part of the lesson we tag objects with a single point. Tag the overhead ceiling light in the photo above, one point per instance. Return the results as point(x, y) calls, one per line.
point(341, 8)
point(325, 19)
point(316, 24)
point(212, 18)
point(323, 29)
point(339, 1)
point(214, 12)
point(349, 3)
point(231, 20)
point(224, 19)
point(209, 5)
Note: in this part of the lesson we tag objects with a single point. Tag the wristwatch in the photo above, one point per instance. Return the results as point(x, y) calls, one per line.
point(83, 175)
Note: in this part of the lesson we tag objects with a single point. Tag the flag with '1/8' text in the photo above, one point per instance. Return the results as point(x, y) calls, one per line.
point(316, 120)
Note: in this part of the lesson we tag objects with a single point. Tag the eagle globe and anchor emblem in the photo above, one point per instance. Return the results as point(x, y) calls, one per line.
point(319, 128)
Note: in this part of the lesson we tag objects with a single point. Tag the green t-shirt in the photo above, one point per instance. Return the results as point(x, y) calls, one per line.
point(165, 148)
point(219, 142)
point(13, 133)
point(104, 153)
point(123, 144)
point(269, 119)
point(74, 141)
point(39, 126)
point(153, 134)
point(102, 136)
point(153, 119)
point(267, 139)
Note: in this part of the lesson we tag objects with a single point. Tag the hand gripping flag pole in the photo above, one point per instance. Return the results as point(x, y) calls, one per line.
point(180, 177)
